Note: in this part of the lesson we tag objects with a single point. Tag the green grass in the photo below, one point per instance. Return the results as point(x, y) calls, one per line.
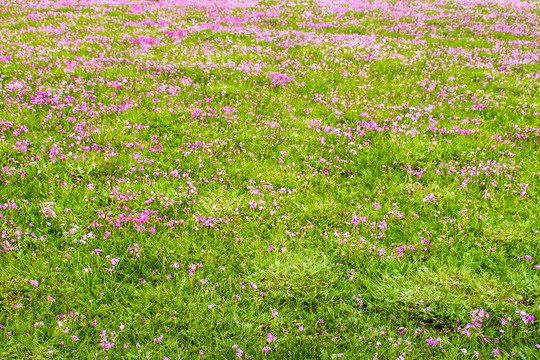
point(174, 197)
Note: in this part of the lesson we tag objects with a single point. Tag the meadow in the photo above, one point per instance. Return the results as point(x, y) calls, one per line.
point(243, 179)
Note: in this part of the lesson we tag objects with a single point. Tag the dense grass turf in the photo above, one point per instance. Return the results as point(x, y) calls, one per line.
point(287, 180)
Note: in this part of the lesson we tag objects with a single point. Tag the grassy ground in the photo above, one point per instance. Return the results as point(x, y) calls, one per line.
point(287, 180)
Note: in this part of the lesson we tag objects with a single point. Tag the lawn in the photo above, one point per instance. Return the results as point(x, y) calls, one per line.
point(211, 179)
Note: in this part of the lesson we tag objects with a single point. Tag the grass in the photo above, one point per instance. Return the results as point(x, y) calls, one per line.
point(274, 180)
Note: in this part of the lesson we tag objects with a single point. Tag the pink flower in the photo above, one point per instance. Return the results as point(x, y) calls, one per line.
point(433, 342)
point(430, 198)
point(74, 338)
point(266, 349)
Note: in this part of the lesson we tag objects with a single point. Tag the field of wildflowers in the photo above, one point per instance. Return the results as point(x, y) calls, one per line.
point(269, 179)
